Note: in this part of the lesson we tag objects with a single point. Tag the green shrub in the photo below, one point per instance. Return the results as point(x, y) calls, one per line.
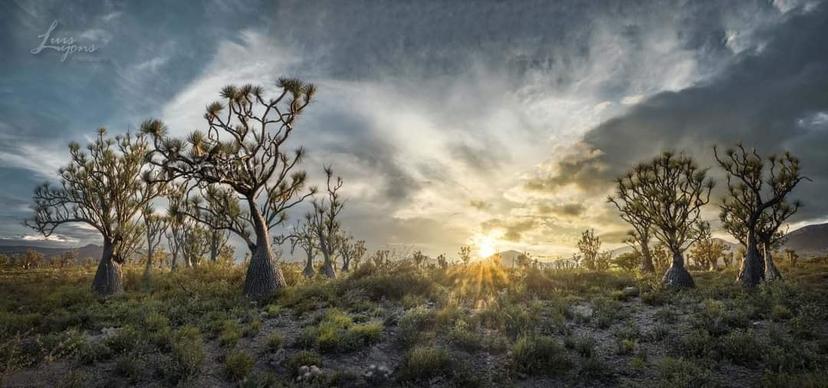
point(231, 332)
point(92, 352)
point(237, 365)
point(678, 372)
point(130, 367)
point(274, 342)
point(696, 344)
point(424, 363)
point(124, 340)
point(584, 346)
point(539, 355)
point(187, 355)
point(741, 347)
point(413, 323)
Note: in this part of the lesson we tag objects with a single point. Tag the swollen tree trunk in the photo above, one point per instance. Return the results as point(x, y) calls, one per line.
point(752, 271)
point(646, 258)
point(328, 269)
point(108, 277)
point(771, 272)
point(346, 264)
point(174, 260)
point(309, 272)
point(677, 276)
point(263, 278)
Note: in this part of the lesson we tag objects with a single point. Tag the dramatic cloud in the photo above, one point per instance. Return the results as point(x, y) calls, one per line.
point(450, 122)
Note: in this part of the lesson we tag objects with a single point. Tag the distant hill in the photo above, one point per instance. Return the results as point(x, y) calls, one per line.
point(90, 250)
point(810, 240)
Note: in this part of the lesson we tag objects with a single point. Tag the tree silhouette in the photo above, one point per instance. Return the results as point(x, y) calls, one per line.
point(668, 193)
point(589, 245)
point(302, 236)
point(105, 187)
point(632, 212)
point(707, 251)
point(324, 224)
point(465, 254)
point(351, 250)
point(755, 206)
point(241, 169)
point(154, 227)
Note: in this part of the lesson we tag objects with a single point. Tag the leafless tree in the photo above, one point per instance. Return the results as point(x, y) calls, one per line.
point(351, 250)
point(242, 170)
point(106, 187)
point(590, 246)
point(154, 227)
point(324, 223)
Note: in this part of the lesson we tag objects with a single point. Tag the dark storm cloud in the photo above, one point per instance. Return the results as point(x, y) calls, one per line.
point(771, 98)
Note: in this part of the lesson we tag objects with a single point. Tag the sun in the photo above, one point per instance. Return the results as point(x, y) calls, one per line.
point(485, 246)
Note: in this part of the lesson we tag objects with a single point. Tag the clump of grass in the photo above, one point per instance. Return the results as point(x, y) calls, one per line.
point(538, 355)
point(584, 346)
point(237, 365)
point(741, 347)
point(336, 331)
point(424, 363)
point(412, 325)
point(679, 372)
point(274, 342)
point(230, 333)
point(696, 344)
point(187, 355)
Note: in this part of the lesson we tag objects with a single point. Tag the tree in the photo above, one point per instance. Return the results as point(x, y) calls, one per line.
point(68, 257)
point(351, 251)
point(442, 262)
point(632, 209)
point(465, 254)
point(589, 245)
point(627, 261)
point(241, 169)
point(106, 188)
point(753, 191)
point(324, 224)
point(302, 236)
point(154, 227)
point(419, 258)
point(31, 259)
point(707, 251)
point(668, 193)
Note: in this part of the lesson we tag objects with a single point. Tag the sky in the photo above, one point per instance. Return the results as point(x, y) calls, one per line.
point(491, 123)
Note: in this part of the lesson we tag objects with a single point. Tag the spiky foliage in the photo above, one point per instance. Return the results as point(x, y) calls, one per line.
point(756, 207)
point(241, 169)
point(106, 186)
point(707, 251)
point(590, 246)
point(668, 193)
point(324, 222)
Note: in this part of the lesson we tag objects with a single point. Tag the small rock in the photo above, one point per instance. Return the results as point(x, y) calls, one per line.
point(303, 369)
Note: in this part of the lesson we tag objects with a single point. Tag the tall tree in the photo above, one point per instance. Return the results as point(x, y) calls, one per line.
point(105, 187)
point(754, 189)
point(241, 168)
point(154, 227)
point(324, 222)
point(632, 211)
point(668, 193)
point(590, 246)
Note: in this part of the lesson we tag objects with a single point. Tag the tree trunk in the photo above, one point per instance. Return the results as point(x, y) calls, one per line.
point(108, 277)
point(309, 272)
point(263, 278)
point(646, 258)
point(174, 260)
point(148, 267)
point(345, 264)
point(752, 270)
point(677, 276)
point(328, 269)
point(771, 272)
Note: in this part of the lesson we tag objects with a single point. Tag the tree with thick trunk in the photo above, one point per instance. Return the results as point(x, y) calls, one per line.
point(755, 193)
point(241, 169)
point(154, 227)
point(324, 224)
point(668, 193)
point(105, 187)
